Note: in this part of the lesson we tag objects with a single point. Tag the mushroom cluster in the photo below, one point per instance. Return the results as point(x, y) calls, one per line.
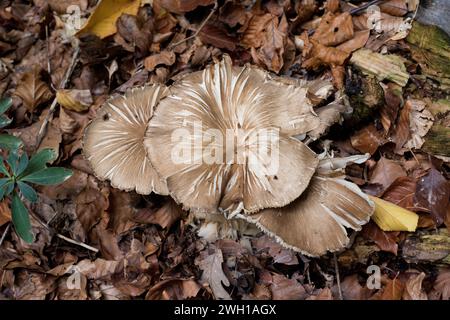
point(223, 140)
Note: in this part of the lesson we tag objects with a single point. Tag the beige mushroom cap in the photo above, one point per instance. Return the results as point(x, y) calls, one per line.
point(316, 222)
point(113, 141)
point(223, 98)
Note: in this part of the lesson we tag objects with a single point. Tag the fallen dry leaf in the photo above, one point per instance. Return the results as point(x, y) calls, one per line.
point(165, 216)
point(76, 100)
point(442, 284)
point(166, 58)
point(367, 140)
point(102, 21)
point(390, 217)
point(433, 195)
point(386, 241)
point(173, 289)
point(218, 37)
point(413, 288)
point(386, 172)
point(181, 6)
point(32, 90)
point(211, 265)
point(401, 192)
point(420, 122)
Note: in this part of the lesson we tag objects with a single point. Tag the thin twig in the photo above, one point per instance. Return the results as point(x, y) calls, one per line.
point(48, 118)
point(5, 233)
point(52, 231)
point(47, 47)
point(364, 6)
point(78, 243)
point(216, 5)
point(338, 277)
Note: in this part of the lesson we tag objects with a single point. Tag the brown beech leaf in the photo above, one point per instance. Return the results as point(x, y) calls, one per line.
point(353, 290)
point(392, 290)
point(5, 212)
point(401, 133)
point(275, 250)
point(386, 241)
point(367, 140)
point(218, 37)
point(334, 29)
point(73, 99)
point(173, 289)
point(420, 122)
point(442, 284)
point(395, 7)
point(393, 102)
point(272, 51)
point(433, 195)
point(181, 6)
point(213, 274)
point(135, 32)
point(413, 288)
point(401, 192)
point(32, 90)
point(166, 58)
point(254, 33)
point(284, 288)
point(233, 13)
point(357, 42)
point(386, 171)
point(165, 216)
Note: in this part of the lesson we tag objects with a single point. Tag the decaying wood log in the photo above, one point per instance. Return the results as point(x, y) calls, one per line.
point(426, 246)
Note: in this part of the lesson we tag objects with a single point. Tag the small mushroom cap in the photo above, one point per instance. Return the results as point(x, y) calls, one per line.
point(224, 98)
point(113, 141)
point(315, 223)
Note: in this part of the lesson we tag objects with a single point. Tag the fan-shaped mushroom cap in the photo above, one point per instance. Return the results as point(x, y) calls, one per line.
point(241, 102)
point(113, 141)
point(315, 223)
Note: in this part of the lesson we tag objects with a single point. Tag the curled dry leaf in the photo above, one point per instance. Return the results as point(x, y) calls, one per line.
point(334, 29)
point(386, 171)
point(420, 122)
point(442, 284)
point(283, 288)
point(413, 287)
point(166, 58)
point(386, 241)
point(76, 100)
point(165, 216)
point(173, 289)
point(213, 274)
point(32, 90)
point(433, 195)
point(279, 254)
point(368, 139)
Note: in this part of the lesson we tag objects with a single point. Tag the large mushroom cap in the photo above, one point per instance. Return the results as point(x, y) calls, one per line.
point(113, 141)
point(316, 222)
point(241, 103)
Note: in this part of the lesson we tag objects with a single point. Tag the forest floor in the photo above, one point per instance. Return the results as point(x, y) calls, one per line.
point(93, 241)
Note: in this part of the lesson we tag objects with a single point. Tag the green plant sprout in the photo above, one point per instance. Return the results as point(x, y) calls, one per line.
point(18, 172)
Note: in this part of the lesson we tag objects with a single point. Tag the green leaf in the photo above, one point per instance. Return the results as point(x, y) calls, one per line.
point(38, 161)
point(4, 121)
point(3, 168)
point(21, 219)
point(48, 176)
point(7, 188)
point(3, 181)
point(9, 142)
point(12, 159)
point(27, 191)
point(5, 104)
point(23, 163)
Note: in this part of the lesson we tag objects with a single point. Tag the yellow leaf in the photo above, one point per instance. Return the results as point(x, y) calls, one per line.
point(102, 21)
point(390, 217)
point(76, 100)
